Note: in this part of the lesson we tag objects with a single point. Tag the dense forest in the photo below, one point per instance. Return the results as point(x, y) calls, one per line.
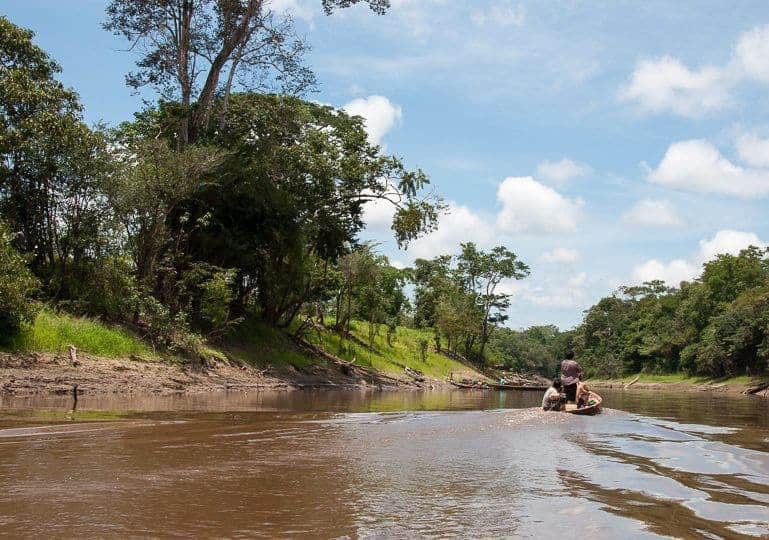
point(229, 199)
point(232, 198)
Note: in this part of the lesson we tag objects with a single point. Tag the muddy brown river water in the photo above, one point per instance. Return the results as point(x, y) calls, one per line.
point(393, 464)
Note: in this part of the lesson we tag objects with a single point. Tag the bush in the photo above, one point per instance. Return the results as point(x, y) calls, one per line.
point(105, 288)
point(17, 286)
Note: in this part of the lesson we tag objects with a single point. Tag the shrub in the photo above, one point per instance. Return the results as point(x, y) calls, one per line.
point(17, 286)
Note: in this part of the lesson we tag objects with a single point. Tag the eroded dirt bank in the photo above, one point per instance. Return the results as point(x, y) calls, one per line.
point(35, 373)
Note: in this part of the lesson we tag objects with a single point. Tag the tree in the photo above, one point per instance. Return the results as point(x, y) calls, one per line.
point(193, 51)
point(17, 286)
point(289, 198)
point(462, 301)
point(481, 274)
point(51, 164)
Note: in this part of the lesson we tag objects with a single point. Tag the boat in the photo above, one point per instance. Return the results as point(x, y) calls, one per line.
point(517, 387)
point(470, 385)
point(595, 408)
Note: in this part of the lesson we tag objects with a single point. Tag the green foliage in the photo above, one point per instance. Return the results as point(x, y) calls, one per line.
point(458, 295)
point(55, 332)
point(538, 349)
point(17, 286)
point(715, 325)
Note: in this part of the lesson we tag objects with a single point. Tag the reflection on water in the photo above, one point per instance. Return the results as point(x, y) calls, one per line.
point(463, 463)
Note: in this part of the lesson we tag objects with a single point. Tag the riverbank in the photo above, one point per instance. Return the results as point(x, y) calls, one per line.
point(679, 383)
point(110, 360)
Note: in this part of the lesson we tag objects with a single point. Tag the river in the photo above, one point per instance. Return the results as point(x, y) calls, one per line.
point(387, 464)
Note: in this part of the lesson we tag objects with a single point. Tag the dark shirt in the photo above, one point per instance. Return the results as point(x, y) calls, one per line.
point(571, 372)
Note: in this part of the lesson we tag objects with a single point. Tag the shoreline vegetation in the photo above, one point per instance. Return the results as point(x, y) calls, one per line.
point(215, 239)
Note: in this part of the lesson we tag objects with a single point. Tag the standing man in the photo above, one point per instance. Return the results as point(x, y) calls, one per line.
point(571, 375)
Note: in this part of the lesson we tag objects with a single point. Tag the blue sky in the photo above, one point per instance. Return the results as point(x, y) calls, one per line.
point(604, 142)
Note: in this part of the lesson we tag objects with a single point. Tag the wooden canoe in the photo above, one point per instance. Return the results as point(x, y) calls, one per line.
point(517, 387)
point(470, 386)
point(592, 409)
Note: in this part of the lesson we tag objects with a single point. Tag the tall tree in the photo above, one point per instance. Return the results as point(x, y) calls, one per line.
point(195, 50)
point(51, 164)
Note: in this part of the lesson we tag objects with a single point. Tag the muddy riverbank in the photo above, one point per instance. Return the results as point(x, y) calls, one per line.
point(36, 373)
point(717, 387)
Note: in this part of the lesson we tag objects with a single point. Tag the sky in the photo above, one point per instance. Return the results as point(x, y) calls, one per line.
point(606, 142)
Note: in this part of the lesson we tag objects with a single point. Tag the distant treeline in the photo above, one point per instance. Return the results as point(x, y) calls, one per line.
point(715, 325)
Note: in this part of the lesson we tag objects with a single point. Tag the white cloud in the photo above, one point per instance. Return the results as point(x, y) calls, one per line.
point(561, 171)
point(379, 115)
point(557, 291)
point(672, 273)
point(378, 216)
point(675, 271)
point(561, 255)
point(653, 213)
point(752, 53)
point(299, 9)
point(461, 224)
point(729, 242)
point(528, 206)
point(500, 14)
point(753, 150)
point(666, 84)
point(578, 281)
point(697, 165)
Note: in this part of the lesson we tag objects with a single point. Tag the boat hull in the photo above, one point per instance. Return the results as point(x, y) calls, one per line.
point(586, 411)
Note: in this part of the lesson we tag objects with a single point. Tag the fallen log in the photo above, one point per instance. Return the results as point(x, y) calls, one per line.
point(756, 389)
point(631, 383)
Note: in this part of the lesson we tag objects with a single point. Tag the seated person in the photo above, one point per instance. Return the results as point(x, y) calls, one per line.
point(552, 398)
point(571, 374)
point(583, 395)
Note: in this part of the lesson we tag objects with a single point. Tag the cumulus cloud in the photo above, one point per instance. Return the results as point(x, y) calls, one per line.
point(529, 206)
point(653, 213)
point(560, 255)
point(379, 115)
point(666, 84)
point(561, 171)
point(461, 224)
point(753, 150)
point(697, 165)
point(752, 53)
point(673, 272)
point(728, 242)
point(378, 215)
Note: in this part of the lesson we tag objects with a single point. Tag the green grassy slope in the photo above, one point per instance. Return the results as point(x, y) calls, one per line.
point(54, 333)
point(253, 343)
point(405, 351)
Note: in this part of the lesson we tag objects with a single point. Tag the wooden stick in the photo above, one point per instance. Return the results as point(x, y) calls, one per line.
point(631, 383)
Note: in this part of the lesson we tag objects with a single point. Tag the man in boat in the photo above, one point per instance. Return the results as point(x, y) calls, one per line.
point(571, 375)
point(552, 400)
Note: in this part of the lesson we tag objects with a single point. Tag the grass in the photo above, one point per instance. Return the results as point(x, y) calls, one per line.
point(682, 378)
point(404, 351)
point(257, 344)
point(55, 332)
point(252, 342)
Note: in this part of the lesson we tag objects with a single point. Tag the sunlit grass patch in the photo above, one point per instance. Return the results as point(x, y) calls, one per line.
point(55, 332)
